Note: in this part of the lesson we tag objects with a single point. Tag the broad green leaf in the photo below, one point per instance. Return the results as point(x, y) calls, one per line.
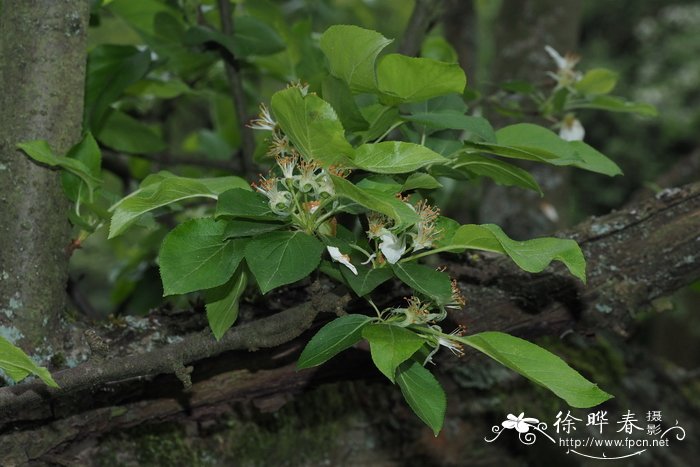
point(393, 157)
point(530, 255)
point(222, 303)
point(124, 133)
point(110, 70)
point(408, 79)
point(337, 93)
point(597, 81)
point(366, 279)
point(87, 152)
point(533, 142)
point(195, 256)
point(420, 180)
point(165, 189)
point(247, 204)
point(40, 151)
point(478, 128)
point(593, 160)
point(18, 365)
point(336, 336)
point(279, 258)
point(499, 171)
point(245, 228)
point(381, 119)
point(313, 126)
point(378, 201)
point(540, 366)
point(391, 346)
point(616, 104)
point(383, 183)
point(433, 284)
point(423, 394)
point(351, 52)
point(254, 37)
point(438, 48)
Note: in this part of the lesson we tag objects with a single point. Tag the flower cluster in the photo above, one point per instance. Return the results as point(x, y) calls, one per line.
point(566, 75)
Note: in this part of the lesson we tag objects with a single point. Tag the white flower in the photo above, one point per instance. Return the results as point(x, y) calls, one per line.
point(565, 75)
point(336, 255)
point(392, 247)
point(521, 424)
point(571, 129)
point(264, 120)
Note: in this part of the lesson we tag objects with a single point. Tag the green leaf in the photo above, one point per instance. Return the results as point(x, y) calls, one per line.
point(163, 189)
point(110, 70)
point(279, 258)
point(384, 203)
point(124, 133)
point(391, 346)
point(336, 336)
point(337, 93)
point(499, 171)
point(393, 157)
point(313, 126)
point(540, 366)
point(195, 256)
point(530, 255)
point(254, 37)
point(245, 228)
point(408, 79)
point(420, 180)
point(381, 119)
point(616, 104)
point(367, 279)
point(433, 284)
point(423, 394)
point(351, 52)
point(478, 127)
point(40, 151)
point(536, 143)
point(222, 303)
point(87, 152)
point(597, 81)
point(18, 365)
point(247, 204)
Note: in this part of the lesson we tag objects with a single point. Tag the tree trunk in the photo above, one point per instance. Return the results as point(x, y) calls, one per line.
point(42, 76)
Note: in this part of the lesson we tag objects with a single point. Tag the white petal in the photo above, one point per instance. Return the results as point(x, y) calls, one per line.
point(558, 59)
point(572, 130)
point(369, 260)
point(392, 248)
point(522, 427)
point(336, 255)
point(509, 424)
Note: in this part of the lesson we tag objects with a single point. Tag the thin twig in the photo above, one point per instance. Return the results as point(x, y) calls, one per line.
point(236, 88)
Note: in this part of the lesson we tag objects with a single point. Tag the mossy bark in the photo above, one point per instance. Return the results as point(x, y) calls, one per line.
point(42, 73)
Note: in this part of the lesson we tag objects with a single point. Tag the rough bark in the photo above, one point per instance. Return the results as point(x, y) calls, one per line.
point(634, 257)
point(42, 72)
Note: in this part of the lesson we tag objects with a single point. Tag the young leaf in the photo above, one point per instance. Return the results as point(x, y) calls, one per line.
point(539, 365)
point(423, 394)
point(594, 160)
point(40, 151)
point(530, 255)
point(497, 170)
point(407, 79)
point(279, 258)
point(163, 189)
point(420, 180)
point(391, 346)
point(246, 204)
point(394, 157)
point(351, 52)
point(376, 201)
point(222, 303)
point(18, 365)
point(195, 256)
point(616, 104)
point(366, 279)
point(337, 93)
point(427, 281)
point(313, 126)
point(333, 338)
point(124, 133)
point(87, 152)
point(597, 81)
